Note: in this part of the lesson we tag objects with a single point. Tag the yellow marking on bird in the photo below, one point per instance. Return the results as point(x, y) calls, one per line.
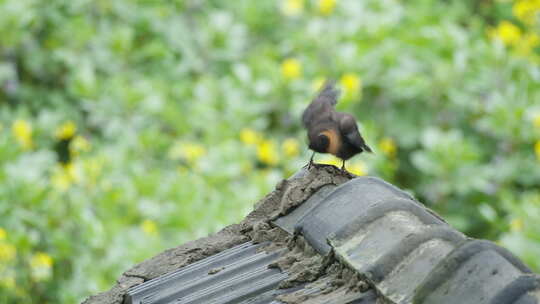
point(334, 141)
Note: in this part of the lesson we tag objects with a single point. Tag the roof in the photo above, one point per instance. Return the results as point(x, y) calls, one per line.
point(324, 236)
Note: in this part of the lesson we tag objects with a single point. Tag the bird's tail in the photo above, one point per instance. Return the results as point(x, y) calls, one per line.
point(329, 91)
point(366, 148)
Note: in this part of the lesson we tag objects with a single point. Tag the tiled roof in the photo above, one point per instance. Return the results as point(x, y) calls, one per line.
point(233, 275)
point(322, 238)
point(406, 251)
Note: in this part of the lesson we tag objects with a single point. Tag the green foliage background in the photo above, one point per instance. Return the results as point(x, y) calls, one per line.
point(187, 112)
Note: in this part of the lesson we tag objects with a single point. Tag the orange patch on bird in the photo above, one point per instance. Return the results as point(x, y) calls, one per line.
point(334, 141)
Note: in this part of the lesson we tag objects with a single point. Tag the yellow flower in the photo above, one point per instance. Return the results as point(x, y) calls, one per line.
point(22, 130)
point(507, 32)
point(532, 39)
point(266, 153)
point(41, 264)
point(41, 259)
point(60, 180)
point(351, 84)
point(191, 152)
point(358, 168)
point(291, 68)
point(3, 234)
point(290, 147)
point(79, 144)
point(521, 10)
point(292, 7)
point(149, 227)
point(331, 160)
point(65, 175)
point(326, 7)
point(516, 225)
point(388, 146)
point(536, 120)
point(73, 172)
point(537, 149)
point(66, 130)
point(7, 252)
point(527, 44)
point(526, 10)
point(249, 136)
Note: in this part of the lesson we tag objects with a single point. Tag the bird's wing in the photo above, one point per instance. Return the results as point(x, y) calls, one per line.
point(349, 129)
point(322, 106)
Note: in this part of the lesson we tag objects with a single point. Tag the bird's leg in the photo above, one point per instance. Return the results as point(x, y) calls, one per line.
point(343, 165)
point(310, 161)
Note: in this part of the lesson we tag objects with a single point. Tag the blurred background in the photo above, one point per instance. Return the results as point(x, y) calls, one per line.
point(132, 126)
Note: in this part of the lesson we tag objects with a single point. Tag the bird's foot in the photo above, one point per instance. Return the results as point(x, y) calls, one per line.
point(310, 164)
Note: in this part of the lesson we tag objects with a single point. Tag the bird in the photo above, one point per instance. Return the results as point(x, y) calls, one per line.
point(62, 150)
point(330, 131)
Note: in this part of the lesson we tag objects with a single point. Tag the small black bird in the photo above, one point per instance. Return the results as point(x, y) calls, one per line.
point(330, 131)
point(62, 150)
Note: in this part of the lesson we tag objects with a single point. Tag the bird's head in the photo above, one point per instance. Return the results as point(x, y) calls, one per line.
point(320, 144)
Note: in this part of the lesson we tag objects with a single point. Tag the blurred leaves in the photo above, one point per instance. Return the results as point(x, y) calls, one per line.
point(127, 127)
